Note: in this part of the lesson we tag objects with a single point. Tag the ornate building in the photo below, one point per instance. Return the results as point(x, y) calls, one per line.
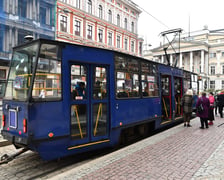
point(19, 18)
point(110, 24)
point(201, 52)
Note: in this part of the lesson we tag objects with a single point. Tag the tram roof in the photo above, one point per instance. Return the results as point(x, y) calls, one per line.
point(62, 43)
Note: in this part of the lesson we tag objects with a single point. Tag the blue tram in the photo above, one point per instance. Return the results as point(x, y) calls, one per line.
point(63, 99)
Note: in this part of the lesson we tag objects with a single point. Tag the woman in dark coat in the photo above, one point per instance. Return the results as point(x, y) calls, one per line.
point(186, 102)
point(204, 114)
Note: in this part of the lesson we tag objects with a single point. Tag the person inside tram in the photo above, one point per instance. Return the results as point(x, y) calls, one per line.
point(80, 90)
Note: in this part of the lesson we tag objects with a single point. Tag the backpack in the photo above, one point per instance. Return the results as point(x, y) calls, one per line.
point(200, 108)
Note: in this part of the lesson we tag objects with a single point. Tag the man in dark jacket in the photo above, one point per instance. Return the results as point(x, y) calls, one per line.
point(220, 99)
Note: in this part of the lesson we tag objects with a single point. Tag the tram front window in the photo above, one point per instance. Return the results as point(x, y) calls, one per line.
point(47, 82)
point(21, 71)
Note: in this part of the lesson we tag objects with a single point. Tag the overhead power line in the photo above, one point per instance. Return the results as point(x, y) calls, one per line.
point(153, 16)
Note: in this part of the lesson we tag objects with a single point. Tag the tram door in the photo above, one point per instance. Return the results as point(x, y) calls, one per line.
point(178, 95)
point(166, 98)
point(89, 103)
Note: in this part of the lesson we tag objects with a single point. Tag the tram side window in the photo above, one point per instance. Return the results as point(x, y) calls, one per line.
point(165, 86)
point(78, 82)
point(127, 77)
point(99, 83)
point(149, 80)
point(47, 83)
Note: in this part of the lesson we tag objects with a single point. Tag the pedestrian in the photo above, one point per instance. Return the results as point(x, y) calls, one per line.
point(204, 114)
point(216, 103)
point(186, 102)
point(211, 109)
point(220, 99)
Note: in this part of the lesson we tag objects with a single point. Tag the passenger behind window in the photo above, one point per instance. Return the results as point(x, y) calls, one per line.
point(80, 91)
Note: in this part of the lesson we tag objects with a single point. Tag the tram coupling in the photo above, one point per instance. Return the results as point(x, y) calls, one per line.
point(7, 158)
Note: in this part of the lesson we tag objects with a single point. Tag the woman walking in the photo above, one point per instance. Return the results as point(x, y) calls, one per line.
point(211, 109)
point(204, 113)
point(186, 102)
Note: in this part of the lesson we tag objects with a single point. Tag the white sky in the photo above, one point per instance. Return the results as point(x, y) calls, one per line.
point(176, 14)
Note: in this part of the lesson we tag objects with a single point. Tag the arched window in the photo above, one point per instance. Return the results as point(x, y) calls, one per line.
point(125, 23)
point(90, 6)
point(110, 16)
point(118, 20)
point(100, 12)
point(132, 27)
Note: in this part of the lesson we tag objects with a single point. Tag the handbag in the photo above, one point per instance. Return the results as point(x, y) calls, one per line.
point(200, 108)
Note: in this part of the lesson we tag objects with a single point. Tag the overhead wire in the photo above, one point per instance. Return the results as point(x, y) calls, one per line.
point(152, 16)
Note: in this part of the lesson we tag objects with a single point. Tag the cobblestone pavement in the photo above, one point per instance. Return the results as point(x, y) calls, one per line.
point(187, 153)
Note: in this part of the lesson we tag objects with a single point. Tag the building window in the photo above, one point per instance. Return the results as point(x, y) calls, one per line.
point(126, 44)
point(89, 6)
point(125, 23)
point(118, 41)
point(223, 69)
point(132, 46)
point(110, 16)
point(89, 32)
point(100, 12)
point(63, 23)
point(110, 38)
point(118, 20)
point(100, 34)
point(212, 84)
point(212, 55)
point(77, 28)
point(222, 84)
point(212, 70)
point(78, 4)
point(132, 27)
point(43, 15)
point(22, 8)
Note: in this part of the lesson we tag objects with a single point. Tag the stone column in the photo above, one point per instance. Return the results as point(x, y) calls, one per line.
point(171, 59)
point(202, 60)
point(191, 61)
point(181, 59)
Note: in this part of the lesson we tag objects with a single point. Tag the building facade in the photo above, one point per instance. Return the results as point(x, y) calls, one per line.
point(19, 18)
point(110, 24)
point(202, 52)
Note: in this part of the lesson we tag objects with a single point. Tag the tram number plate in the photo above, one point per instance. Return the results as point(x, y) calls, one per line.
point(12, 118)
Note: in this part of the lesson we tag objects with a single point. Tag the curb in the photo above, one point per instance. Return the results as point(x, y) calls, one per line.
point(4, 143)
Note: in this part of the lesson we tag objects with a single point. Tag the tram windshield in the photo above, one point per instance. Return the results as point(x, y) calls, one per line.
point(21, 70)
point(39, 75)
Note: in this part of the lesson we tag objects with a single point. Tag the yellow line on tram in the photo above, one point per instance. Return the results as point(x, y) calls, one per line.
point(89, 144)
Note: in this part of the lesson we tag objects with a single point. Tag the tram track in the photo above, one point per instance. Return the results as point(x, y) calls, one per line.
point(30, 166)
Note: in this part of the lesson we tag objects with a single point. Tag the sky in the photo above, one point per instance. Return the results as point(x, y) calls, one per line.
point(188, 15)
